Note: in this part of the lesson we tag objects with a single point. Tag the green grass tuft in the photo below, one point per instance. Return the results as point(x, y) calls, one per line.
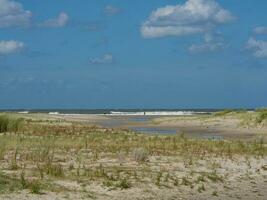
point(8, 124)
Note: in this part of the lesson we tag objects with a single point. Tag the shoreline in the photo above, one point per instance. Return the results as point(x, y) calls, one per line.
point(208, 126)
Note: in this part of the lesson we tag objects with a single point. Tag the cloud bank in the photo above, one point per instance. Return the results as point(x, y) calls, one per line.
point(12, 14)
point(192, 17)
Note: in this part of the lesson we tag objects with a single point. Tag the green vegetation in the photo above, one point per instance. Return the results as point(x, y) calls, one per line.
point(214, 177)
point(35, 187)
point(247, 119)
point(223, 113)
point(215, 193)
point(8, 184)
point(230, 112)
point(262, 115)
point(9, 124)
point(55, 170)
point(3, 144)
point(124, 184)
point(201, 188)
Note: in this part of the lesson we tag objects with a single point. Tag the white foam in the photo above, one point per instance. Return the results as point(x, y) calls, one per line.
point(160, 113)
point(53, 113)
point(24, 112)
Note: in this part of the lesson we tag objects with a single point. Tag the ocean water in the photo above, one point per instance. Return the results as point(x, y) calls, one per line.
point(118, 112)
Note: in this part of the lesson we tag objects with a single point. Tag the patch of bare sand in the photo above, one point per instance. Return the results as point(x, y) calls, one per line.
point(236, 178)
point(245, 191)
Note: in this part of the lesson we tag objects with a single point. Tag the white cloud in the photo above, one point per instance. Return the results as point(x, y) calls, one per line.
point(60, 21)
point(112, 10)
point(206, 47)
point(211, 43)
point(11, 46)
point(106, 59)
point(13, 14)
point(259, 47)
point(192, 17)
point(260, 30)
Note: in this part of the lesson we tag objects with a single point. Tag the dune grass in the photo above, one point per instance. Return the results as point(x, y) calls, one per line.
point(247, 119)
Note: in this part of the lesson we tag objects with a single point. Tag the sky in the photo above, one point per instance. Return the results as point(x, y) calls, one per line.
point(74, 54)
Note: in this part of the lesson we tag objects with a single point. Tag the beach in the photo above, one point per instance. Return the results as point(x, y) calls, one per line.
point(235, 125)
point(222, 155)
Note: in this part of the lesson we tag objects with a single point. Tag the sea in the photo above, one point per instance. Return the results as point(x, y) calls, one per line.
point(117, 112)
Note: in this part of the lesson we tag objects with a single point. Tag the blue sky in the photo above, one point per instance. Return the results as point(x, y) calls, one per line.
point(133, 54)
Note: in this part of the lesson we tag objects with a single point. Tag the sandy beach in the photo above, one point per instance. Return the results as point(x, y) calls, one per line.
point(102, 157)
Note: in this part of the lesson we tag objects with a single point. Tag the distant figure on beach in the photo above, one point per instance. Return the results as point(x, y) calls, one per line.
point(144, 113)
